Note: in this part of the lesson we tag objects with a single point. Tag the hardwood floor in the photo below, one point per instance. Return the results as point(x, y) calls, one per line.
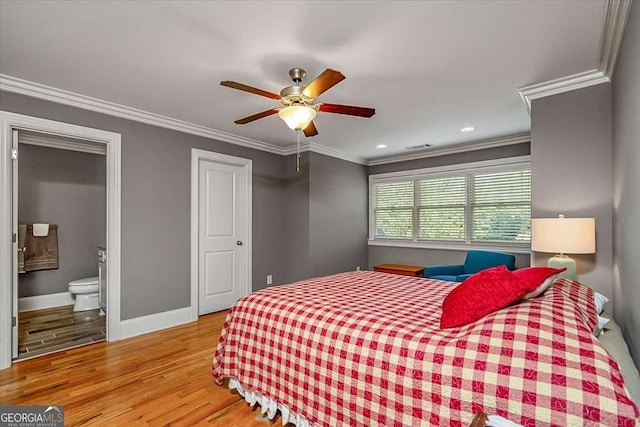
point(158, 379)
point(53, 329)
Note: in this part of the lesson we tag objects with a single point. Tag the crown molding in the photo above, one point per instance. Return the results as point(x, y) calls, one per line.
point(561, 85)
point(60, 96)
point(615, 21)
point(453, 149)
point(63, 144)
point(327, 151)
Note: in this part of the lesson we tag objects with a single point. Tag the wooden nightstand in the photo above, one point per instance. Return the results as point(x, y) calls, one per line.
point(404, 270)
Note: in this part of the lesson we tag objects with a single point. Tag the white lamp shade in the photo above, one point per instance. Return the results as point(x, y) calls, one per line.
point(297, 117)
point(563, 235)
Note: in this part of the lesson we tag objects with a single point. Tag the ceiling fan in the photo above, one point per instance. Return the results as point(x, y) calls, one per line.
point(299, 102)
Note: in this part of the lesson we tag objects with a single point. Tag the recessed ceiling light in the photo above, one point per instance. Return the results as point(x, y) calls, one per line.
point(467, 129)
point(381, 146)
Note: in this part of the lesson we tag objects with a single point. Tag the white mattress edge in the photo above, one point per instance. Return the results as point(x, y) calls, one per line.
point(613, 341)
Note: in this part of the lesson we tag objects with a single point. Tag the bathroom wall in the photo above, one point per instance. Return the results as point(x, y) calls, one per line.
point(67, 188)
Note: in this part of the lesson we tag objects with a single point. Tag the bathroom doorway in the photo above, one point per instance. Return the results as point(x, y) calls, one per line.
point(60, 137)
point(61, 200)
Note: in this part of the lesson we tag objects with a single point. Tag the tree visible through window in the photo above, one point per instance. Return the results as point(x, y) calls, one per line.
point(441, 208)
point(394, 209)
point(501, 206)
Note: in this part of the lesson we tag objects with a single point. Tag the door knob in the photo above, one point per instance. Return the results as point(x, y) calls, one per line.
point(239, 243)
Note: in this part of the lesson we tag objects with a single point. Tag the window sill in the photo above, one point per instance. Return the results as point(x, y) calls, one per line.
point(516, 249)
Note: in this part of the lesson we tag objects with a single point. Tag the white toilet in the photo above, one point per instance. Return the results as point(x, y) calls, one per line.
point(86, 293)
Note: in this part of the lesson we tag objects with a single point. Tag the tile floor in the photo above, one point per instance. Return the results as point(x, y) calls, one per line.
point(54, 329)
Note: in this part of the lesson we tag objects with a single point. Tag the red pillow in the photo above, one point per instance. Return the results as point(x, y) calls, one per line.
point(481, 294)
point(541, 277)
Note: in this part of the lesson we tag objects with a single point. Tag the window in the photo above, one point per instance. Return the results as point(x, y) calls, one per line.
point(501, 206)
point(441, 208)
point(485, 205)
point(394, 209)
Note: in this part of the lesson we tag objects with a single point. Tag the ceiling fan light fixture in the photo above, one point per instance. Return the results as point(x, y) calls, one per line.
point(299, 102)
point(297, 117)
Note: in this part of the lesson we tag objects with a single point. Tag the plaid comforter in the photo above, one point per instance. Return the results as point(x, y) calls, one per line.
point(365, 349)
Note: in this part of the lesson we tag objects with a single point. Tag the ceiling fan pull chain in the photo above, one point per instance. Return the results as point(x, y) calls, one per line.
point(298, 152)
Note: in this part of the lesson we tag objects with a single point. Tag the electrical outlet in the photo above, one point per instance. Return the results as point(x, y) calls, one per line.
point(269, 279)
point(358, 268)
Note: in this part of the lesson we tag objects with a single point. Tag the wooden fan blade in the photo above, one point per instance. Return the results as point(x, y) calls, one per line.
point(348, 110)
point(325, 81)
point(257, 116)
point(250, 89)
point(310, 130)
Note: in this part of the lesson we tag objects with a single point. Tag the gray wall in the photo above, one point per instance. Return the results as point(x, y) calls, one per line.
point(571, 168)
point(66, 188)
point(626, 186)
point(268, 230)
point(326, 217)
point(296, 247)
point(421, 256)
point(156, 166)
point(454, 159)
point(338, 215)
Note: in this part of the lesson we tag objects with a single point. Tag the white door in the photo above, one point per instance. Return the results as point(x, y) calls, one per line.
point(14, 225)
point(223, 228)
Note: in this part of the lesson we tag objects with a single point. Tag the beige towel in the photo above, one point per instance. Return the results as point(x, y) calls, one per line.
point(22, 231)
point(41, 252)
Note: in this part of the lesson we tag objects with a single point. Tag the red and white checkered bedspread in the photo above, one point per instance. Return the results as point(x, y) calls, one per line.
point(365, 349)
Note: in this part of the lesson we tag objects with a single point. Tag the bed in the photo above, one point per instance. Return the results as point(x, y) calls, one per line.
point(365, 348)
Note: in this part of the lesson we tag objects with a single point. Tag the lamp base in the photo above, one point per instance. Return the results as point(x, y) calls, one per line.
point(560, 261)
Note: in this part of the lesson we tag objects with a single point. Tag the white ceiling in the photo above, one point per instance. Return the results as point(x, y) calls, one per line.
point(428, 68)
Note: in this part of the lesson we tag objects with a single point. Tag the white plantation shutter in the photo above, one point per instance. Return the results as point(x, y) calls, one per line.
point(501, 206)
point(393, 209)
point(441, 208)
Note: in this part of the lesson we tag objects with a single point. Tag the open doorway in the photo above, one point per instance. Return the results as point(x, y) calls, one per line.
point(62, 235)
point(56, 136)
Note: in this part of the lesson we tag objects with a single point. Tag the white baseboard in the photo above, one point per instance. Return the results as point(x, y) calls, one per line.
point(155, 322)
point(40, 302)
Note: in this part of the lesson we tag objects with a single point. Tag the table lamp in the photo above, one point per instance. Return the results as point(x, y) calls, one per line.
point(563, 236)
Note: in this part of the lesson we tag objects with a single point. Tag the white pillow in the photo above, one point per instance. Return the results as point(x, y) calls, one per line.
point(600, 301)
point(602, 321)
point(541, 287)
